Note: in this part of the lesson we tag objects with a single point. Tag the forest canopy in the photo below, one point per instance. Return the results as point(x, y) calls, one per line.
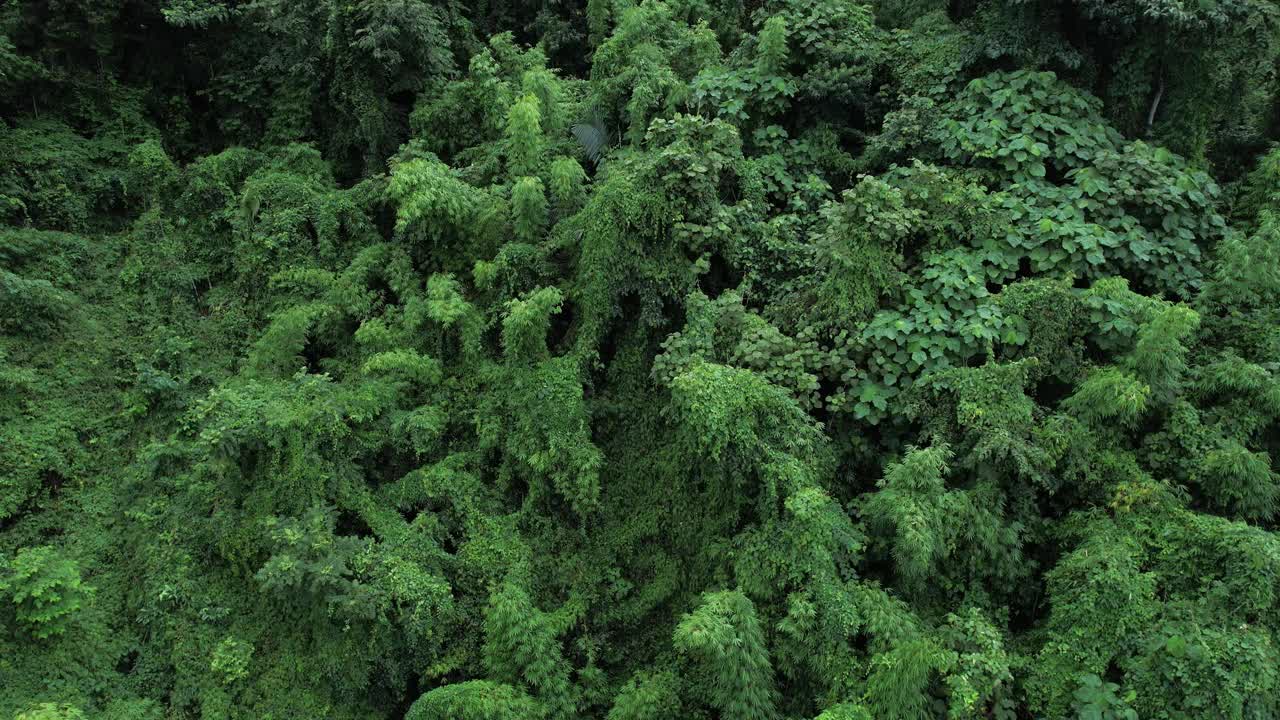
point(639, 360)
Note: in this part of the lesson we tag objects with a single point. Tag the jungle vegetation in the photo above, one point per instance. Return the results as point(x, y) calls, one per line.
point(639, 359)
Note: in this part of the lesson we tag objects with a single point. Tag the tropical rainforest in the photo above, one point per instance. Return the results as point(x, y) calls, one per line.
point(639, 359)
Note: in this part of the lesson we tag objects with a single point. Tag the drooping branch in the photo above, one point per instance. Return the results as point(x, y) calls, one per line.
point(1155, 104)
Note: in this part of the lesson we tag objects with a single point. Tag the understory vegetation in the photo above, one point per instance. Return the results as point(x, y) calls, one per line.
point(639, 359)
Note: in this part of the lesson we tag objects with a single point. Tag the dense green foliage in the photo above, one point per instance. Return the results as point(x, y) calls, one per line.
point(639, 359)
